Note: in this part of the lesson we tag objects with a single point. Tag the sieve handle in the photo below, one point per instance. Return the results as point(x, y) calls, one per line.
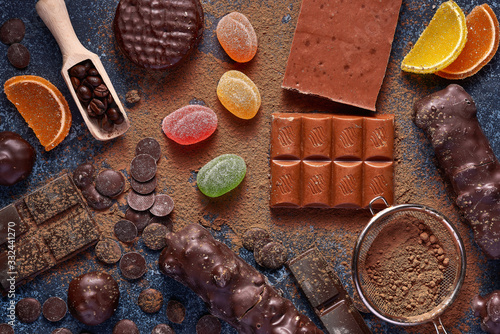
point(376, 199)
point(437, 327)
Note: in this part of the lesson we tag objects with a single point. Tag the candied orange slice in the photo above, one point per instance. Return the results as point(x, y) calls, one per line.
point(42, 106)
point(440, 43)
point(482, 43)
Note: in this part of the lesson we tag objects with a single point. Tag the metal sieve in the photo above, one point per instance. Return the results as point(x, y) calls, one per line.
point(454, 273)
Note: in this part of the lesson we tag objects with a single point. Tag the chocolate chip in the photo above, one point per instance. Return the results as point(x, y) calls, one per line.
point(6, 329)
point(95, 199)
point(154, 236)
point(150, 300)
point(125, 327)
point(162, 329)
point(133, 265)
point(78, 71)
point(144, 188)
point(208, 324)
point(108, 251)
point(139, 218)
point(175, 311)
point(253, 234)
point(149, 146)
point(140, 202)
point(125, 230)
point(272, 255)
point(84, 175)
point(167, 221)
point(12, 31)
point(110, 183)
point(162, 206)
point(143, 167)
point(28, 310)
point(54, 309)
point(18, 55)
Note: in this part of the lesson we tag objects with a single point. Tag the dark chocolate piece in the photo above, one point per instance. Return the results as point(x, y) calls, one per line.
point(327, 295)
point(487, 308)
point(17, 158)
point(167, 221)
point(176, 312)
point(162, 329)
point(61, 331)
point(28, 310)
point(125, 327)
point(6, 329)
point(144, 188)
point(158, 35)
point(11, 224)
point(95, 199)
point(154, 236)
point(54, 309)
point(449, 118)
point(272, 255)
point(149, 146)
point(108, 251)
point(232, 289)
point(141, 219)
point(208, 324)
point(140, 202)
point(253, 234)
point(125, 230)
point(143, 167)
point(110, 183)
point(133, 265)
point(18, 55)
point(162, 206)
point(93, 297)
point(12, 31)
point(259, 243)
point(84, 175)
point(150, 300)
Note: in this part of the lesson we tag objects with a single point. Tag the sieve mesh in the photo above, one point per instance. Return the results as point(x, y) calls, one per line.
point(447, 237)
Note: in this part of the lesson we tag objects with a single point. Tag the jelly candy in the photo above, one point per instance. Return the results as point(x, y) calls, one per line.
point(221, 175)
point(238, 94)
point(237, 37)
point(190, 124)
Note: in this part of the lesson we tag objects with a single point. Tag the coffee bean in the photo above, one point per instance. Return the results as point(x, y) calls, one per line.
point(12, 31)
point(61, 331)
point(110, 99)
point(110, 183)
point(113, 114)
point(75, 82)
point(154, 236)
point(18, 55)
point(175, 311)
point(143, 167)
point(139, 218)
point(132, 96)
point(133, 265)
point(84, 175)
point(78, 71)
point(271, 256)
point(163, 329)
point(84, 93)
point(144, 188)
point(28, 310)
point(162, 206)
point(6, 329)
point(106, 124)
point(253, 234)
point(101, 91)
point(93, 81)
point(98, 107)
point(208, 324)
point(149, 146)
point(140, 202)
point(125, 327)
point(120, 119)
point(108, 251)
point(54, 309)
point(150, 300)
point(125, 230)
point(95, 199)
point(93, 72)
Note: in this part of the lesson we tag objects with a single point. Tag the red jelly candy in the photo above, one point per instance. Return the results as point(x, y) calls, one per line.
point(190, 124)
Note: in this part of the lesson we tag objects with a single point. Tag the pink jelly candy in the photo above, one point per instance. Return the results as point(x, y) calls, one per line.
point(190, 124)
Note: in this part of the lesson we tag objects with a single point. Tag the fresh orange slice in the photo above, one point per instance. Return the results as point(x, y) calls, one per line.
point(440, 43)
point(42, 106)
point(482, 44)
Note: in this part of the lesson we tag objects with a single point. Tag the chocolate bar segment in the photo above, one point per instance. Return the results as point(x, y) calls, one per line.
point(11, 224)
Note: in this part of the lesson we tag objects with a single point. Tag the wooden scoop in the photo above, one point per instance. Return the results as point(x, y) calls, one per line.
point(56, 18)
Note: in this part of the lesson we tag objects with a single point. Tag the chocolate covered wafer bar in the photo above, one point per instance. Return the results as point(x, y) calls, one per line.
point(327, 296)
point(321, 160)
point(233, 290)
point(449, 118)
point(42, 230)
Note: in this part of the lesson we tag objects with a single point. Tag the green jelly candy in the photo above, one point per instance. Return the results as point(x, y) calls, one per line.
point(221, 175)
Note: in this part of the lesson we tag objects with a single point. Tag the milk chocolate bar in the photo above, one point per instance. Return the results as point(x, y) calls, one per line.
point(327, 295)
point(322, 160)
point(232, 289)
point(44, 229)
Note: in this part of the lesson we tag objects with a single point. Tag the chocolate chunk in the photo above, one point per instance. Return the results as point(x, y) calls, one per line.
point(162, 42)
point(17, 158)
point(108, 251)
point(12, 31)
point(61, 331)
point(253, 234)
point(84, 175)
point(110, 183)
point(144, 188)
point(140, 202)
point(272, 255)
point(28, 310)
point(176, 311)
point(149, 146)
point(150, 300)
point(208, 324)
point(95, 200)
point(18, 55)
point(154, 236)
point(93, 297)
point(125, 230)
point(141, 219)
point(54, 309)
point(143, 167)
point(133, 265)
point(125, 327)
point(163, 329)
point(6, 329)
point(162, 206)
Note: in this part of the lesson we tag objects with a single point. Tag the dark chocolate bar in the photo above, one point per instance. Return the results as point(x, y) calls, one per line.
point(327, 295)
point(43, 229)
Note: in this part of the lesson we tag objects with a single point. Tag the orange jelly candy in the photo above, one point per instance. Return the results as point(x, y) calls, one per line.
point(237, 37)
point(239, 94)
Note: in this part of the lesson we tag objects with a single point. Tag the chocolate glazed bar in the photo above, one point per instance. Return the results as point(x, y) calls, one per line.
point(233, 290)
point(449, 118)
point(42, 230)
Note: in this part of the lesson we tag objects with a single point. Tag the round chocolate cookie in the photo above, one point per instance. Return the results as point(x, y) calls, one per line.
point(125, 327)
point(272, 255)
point(110, 183)
point(208, 324)
point(176, 311)
point(7, 329)
point(54, 309)
point(163, 329)
point(108, 251)
point(28, 310)
point(133, 265)
point(158, 34)
point(150, 300)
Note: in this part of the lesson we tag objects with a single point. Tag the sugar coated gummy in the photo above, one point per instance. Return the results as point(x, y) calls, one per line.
point(239, 94)
point(237, 37)
point(190, 124)
point(221, 175)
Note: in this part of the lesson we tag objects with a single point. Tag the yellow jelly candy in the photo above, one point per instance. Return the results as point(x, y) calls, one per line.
point(440, 43)
point(238, 94)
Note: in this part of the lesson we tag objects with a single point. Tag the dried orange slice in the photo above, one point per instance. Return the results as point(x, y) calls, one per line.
point(482, 43)
point(42, 106)
point(440, 43)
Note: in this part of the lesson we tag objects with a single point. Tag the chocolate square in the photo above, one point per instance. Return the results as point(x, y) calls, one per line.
point(10, 222)
point(340, 319)
point(30, 258)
